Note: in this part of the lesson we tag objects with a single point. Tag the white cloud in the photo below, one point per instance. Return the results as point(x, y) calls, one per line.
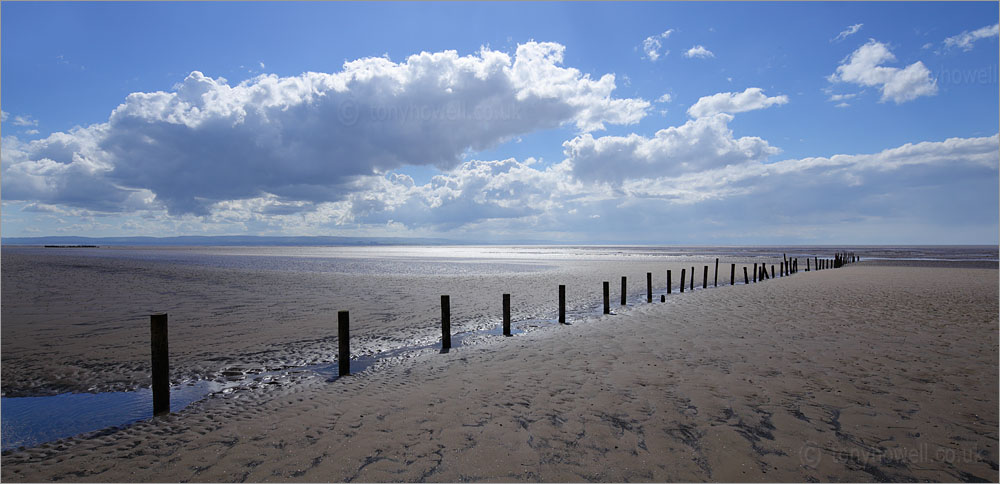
point(473, 192)
point(894, 184)
point(651, 45)
point(841, 97)
point(699, 51)
point(734, 102)
point(849, 31)
point(864, 67)
point(24, 121)
point(3, 115)
point(310, 137)
point(966, 39)
point(697, 145)
point(665, 98)
point(842, 105)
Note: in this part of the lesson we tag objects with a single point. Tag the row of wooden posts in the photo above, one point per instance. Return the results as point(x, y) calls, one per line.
point(160, 350)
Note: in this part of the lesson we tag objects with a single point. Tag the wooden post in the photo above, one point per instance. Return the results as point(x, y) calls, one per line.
point(683, 274)
point(607, 297)
point(663, 298)
point(704, 279)
point(161, 363)
point(649, 287)
point(772, 271)
point(623, 290)
point(732, 275)
point(562, 304)
point(807, 264)
point(669, 282)
point(755, 272)
point(692, 278)
point(506, 314)
point(746, 280)
point(445, 323)
point(781, 269)
point(344, 343)
point(716, 272)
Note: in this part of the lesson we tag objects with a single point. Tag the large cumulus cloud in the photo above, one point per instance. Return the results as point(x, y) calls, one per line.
point(697, 145)
point(309, 137)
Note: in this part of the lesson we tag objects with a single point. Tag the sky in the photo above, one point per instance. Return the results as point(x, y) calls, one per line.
point(631, 123)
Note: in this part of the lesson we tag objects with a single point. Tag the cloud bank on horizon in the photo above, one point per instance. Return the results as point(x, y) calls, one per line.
point(332, 153)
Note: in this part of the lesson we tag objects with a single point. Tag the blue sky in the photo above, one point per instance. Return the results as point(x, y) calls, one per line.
point(712, 123)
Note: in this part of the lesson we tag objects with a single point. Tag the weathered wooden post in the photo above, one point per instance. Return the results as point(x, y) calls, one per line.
point(807, 264)
point(445, 323)
point(772, 271)
point(649, 287)
point(716, 272)
point(669, 282)
point(160, 353)
point(704, 279)
point(781, 269)
point(607, 297)
point(683, 274)
point(506, 314)
point(732, 275)
point(755, 272)
point(746, 280)
point(562, 304)
point(344, 343)
point(692, 278)
point(623, 290)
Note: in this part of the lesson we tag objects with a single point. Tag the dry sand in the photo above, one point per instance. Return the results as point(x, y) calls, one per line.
point(866, 373)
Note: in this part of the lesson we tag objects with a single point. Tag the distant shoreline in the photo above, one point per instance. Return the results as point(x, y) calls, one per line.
point(320, 241)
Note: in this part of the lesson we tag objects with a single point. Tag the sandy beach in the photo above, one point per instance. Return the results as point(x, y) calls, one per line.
point(866, 373)
point(80, 323)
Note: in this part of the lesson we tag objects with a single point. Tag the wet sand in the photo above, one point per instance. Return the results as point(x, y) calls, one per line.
point(866, 373)
point(81, 323)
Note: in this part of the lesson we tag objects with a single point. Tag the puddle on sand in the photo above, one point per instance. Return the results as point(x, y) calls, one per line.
point(31, 421)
